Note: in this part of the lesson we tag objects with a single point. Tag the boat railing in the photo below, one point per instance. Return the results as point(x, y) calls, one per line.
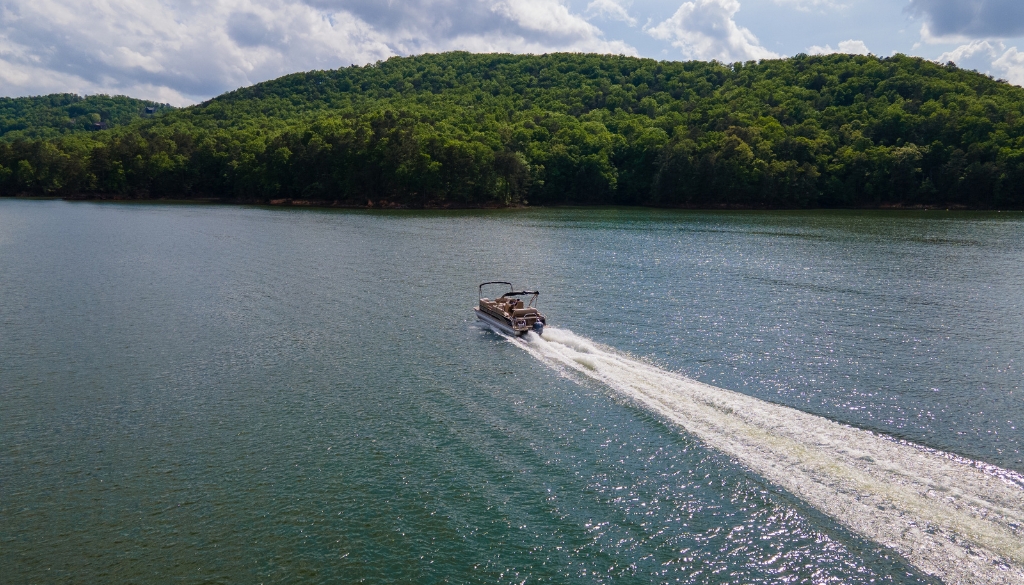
point(480, 289)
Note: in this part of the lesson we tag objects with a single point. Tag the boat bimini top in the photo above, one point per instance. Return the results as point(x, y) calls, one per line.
point(509, 313)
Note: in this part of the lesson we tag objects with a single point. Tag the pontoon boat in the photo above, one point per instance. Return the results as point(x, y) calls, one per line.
point(508, 313)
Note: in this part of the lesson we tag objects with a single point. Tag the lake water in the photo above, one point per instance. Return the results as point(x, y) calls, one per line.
point(209, 394)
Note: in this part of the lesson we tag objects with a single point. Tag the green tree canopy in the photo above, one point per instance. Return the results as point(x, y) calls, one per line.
point(468, 129)
point(57, 114)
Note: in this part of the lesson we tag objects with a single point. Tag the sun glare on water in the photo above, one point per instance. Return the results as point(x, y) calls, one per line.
point(960, 520)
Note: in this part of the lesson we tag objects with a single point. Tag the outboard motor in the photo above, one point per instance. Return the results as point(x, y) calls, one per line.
point(538, 327)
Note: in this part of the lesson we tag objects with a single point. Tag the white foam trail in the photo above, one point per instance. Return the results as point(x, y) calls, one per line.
point(946, 515)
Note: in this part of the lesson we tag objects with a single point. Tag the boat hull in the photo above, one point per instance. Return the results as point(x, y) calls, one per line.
point(499, 324)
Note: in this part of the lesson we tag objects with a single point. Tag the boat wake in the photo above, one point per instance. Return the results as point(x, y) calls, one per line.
point(956, 519)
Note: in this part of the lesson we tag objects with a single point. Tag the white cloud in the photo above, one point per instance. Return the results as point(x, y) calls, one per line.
point(554, 20)
point(705, 29)
point(180, 52)
point(966, 51)
point(985, 55)
point(850, 47)
point(183, 51)
point(853, 47)
point(1011, 63)
point(610, 9)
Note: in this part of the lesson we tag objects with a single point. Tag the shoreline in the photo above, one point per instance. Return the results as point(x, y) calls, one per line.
point(384, 204)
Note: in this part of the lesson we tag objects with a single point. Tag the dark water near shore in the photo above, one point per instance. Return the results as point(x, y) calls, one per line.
point(227, 394)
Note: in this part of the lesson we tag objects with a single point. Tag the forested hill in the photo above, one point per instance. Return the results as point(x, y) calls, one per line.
point(465, 129)
point(63, 113)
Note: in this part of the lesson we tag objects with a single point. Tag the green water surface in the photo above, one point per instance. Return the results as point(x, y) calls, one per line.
point(205, 394)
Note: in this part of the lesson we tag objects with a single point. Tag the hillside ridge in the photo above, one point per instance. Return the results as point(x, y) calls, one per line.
point(461, 129)
point(48, 116)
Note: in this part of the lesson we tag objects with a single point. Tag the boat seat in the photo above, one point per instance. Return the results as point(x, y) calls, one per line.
point(524, 312)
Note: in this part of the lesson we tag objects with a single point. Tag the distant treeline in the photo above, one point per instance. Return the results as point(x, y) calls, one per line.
point(64, 113)
point(467, 129)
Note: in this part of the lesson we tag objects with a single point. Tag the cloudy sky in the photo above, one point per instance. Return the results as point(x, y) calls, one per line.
point(185, 51)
